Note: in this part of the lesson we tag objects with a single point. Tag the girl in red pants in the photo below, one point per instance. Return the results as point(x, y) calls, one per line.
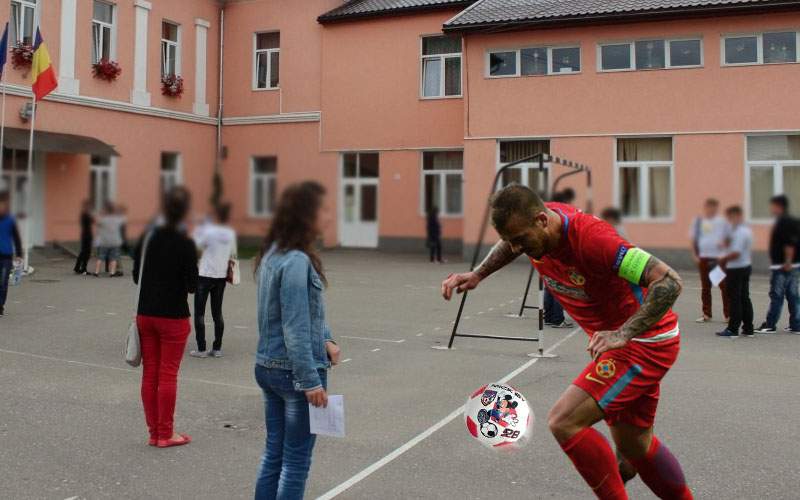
point(168, 275)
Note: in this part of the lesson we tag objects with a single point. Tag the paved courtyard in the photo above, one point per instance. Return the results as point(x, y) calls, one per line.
point(71, 425)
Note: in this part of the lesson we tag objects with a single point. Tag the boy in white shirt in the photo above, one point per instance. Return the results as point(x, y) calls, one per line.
point(217, 242)
point(738, 264)
point(708, 233)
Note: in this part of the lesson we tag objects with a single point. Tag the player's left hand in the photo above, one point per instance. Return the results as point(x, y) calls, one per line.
point(605, 341)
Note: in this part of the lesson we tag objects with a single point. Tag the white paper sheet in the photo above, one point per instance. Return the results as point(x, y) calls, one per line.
point(328, 421)
point(716, 276)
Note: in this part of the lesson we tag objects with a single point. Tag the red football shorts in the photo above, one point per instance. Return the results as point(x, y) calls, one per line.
point(625, 382)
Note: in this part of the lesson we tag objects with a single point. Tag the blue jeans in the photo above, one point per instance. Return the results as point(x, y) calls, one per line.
point(553, 312)
point(6, 265)
point(784, 284)
point(287, 457)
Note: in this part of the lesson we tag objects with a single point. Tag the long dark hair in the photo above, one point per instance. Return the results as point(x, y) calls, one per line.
point(293, 226)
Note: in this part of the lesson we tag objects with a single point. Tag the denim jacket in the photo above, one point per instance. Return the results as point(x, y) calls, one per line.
point(291, 317)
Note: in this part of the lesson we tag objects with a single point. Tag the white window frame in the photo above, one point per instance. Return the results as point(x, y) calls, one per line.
point(266, 179)
point(112, 50)
point(176, 174)
point(759, 47)
point(442, 58)
point(644, 183)
point(518, 61)
point(36, 19)
point(442, 174)
point(777, 177)
point(667, 53)
point(111, 168)
point(527, 165)
point(256, 52)
point(169, 43)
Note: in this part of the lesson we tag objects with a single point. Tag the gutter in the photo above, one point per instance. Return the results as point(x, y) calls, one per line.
point(622, 17)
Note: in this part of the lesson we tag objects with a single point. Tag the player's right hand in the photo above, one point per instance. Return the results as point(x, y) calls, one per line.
point(318, 397)
point(460, 282)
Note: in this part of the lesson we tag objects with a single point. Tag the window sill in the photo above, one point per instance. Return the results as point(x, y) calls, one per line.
point(439, 98)
point(647, 70)
point(737, 65)
point(501, 77)
point(267, 89)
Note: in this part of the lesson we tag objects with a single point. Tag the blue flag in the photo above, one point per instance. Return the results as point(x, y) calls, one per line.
point(3, 49)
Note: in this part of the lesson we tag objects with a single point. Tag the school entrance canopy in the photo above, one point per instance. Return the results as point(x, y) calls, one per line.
point(53, 142)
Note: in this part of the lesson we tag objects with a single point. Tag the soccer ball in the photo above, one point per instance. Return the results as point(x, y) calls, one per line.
point(497, 415)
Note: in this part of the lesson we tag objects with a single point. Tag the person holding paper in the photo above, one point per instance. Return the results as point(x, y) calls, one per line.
point(709, 232)
point(295, 348)
point(738, 262)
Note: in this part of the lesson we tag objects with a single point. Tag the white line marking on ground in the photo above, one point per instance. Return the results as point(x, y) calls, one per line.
point(376, 349)
point(419, 335)
point(373, 339)
point(428, 432)
point(480, 312)
point(16, 302)
point(346, 360)
point(466, 317)
point(491, 308)
point(50, 307)
point(240, 327)
point(111, 314)
point(120, 369)
point(437, 328)
point(80, 310)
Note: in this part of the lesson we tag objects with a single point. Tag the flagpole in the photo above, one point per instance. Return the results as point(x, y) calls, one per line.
point(2, 119)
point(29, 190)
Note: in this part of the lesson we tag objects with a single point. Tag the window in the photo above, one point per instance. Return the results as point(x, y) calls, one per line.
point(23, 21)
point(650, 54)
point(263, 185)
point(170, 49)
point(442, 179)
point(102, 31)
point(761, 48)
point(527, 173)
point(101, 181)
point(170, 171)
point(644, 172)
point(267, 62)
point(773, 163)
point(441, 66)
point(533, 61)
point(14, 178)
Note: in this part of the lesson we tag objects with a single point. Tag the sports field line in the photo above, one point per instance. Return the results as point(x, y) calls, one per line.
point(122, 369)
point(429, 431)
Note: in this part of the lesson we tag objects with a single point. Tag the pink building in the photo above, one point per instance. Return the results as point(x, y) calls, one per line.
point(400, 105)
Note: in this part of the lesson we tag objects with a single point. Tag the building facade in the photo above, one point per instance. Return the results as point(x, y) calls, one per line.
point(400, 106)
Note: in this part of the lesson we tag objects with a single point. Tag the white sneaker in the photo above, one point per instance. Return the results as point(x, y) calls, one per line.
point(198, 354)
point(215, 353)
point(702, 319)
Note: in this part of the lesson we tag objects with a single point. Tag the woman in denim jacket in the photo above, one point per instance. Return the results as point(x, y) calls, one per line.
point(294, 342)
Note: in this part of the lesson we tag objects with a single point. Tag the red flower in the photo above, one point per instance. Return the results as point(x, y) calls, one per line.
point(171, 85)
point(106, 70)
point(22, 56)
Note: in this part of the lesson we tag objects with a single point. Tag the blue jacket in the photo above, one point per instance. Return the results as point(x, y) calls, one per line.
point(291, 317)
point(10, 243)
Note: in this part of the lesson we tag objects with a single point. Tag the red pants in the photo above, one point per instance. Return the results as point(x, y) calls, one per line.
point(163, 342)
point(705, 266)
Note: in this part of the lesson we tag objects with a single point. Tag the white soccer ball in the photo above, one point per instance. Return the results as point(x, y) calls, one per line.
point(498, 416)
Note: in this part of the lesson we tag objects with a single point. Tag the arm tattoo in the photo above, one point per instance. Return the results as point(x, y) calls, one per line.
point(500, 255)
point(663, 290)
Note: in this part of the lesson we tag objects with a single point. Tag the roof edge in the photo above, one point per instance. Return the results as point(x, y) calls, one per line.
point(614, 17)
point(332, 19)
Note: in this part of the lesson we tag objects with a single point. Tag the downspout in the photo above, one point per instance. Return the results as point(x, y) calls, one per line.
point(217, 187)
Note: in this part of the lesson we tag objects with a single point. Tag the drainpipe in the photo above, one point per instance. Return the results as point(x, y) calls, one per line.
point(217, 187)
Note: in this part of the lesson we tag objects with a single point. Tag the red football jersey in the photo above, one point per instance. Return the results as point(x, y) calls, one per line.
point(582, 273)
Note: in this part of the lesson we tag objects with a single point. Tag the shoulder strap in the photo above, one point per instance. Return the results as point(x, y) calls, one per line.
point(141, 266)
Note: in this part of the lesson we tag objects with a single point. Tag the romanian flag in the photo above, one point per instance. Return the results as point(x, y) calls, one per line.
point(42, 73)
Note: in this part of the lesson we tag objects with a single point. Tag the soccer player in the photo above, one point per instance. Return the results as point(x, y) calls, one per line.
point(622, 297)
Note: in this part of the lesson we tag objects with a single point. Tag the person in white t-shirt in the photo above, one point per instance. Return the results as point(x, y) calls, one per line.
point(217, 242)
point(709, 234)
